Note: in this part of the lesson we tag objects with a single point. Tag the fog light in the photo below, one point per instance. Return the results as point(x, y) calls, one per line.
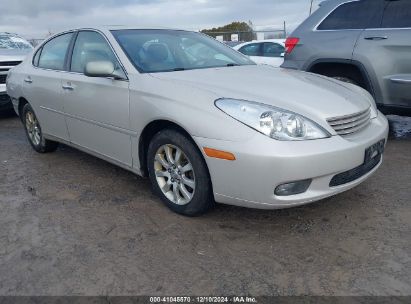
point(293, 188)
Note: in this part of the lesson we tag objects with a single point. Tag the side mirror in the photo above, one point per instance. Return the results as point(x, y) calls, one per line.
point(102, 69)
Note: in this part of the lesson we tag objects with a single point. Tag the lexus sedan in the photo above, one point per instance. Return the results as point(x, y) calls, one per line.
point(201, 120)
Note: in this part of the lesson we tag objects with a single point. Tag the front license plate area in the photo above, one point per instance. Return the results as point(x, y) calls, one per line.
point(374, 152)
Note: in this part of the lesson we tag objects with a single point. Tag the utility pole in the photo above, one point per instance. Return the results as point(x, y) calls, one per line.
point(311, 7)
point(285, 30)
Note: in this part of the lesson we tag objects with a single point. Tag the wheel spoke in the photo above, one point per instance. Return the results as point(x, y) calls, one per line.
point(176, 194)
point(36, 138)
point(185, 192)
point(166, 187)
point(177, 158)
point(169, 154)
point(162, 161)
point(160, 173)
point(189, 182)
point(187, 168)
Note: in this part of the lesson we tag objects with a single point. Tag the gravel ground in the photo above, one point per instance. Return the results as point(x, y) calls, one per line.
point(71, 224)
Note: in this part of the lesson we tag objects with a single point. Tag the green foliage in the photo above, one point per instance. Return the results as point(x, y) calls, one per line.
point(244, 29)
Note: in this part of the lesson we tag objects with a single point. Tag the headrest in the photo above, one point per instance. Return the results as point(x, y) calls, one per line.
point(158, 51)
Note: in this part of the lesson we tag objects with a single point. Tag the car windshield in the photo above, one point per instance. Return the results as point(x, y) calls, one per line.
point(13, 42)
point(153, 51)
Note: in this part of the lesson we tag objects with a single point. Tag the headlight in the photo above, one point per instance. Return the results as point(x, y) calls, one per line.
point(271, 121)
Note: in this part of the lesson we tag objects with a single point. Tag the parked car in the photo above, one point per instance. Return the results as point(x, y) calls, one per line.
point(365, 42)
point(232, 43)
point(203, 125)
point(13, 49)
point(270, 52)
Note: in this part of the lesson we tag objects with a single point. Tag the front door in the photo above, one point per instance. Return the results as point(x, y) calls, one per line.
point(97, 108)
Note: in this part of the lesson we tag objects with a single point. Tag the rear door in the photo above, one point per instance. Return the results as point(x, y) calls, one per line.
point(386, 52)
point(42, 85)
point(336, 34)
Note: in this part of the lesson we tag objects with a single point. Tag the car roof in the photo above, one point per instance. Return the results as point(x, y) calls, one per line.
point(280, 41)
point(124, 27)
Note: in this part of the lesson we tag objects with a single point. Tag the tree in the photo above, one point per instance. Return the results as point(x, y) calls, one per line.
point(245, 31)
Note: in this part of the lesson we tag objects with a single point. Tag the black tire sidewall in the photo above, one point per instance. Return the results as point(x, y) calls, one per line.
point(202, 200)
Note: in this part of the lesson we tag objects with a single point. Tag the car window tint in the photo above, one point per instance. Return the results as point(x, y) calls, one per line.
point(91, 46)
point(251, 49)
point(353, 15)
point(273, 49)
point(54, 52)
point(397, 14)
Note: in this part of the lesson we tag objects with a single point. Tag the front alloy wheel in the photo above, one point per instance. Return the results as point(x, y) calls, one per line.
point(174, 174)
point(179, 174)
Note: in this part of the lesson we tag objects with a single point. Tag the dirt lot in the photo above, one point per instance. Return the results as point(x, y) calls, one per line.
point(71, 224)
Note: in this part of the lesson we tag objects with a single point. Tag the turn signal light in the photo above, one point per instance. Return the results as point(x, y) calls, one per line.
point(219, 154)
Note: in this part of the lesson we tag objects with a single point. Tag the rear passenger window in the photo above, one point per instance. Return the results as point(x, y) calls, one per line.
point(273, 50)
point(54, 52)
point(397, 14)
point(353, 15)
point(251, 49)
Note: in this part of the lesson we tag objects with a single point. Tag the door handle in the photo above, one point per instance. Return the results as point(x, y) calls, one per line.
point(67, 87)
point(28, 80)
point(376, 38)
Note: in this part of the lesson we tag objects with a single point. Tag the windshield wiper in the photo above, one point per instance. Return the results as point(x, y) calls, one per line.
point(179, 69)
point(232, 64)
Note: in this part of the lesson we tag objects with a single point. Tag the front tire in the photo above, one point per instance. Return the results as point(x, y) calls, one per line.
point(179, 174)
point(34, 133)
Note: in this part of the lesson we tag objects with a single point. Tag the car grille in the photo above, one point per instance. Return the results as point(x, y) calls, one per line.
point(9, 63)
point(3, 79)
point(354, 174)
point(349, 124)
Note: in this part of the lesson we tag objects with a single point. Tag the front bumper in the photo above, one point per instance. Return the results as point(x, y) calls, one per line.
point(5, 101)
point(263, 163)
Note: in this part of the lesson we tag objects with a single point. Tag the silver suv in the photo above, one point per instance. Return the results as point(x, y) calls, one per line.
point(13, 50)
point(365, 42)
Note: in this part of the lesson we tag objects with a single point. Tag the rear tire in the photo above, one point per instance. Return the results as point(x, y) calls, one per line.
point(179, 174)
point(34, 133)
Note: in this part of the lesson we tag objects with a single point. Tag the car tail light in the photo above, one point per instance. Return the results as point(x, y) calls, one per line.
point(290, 44)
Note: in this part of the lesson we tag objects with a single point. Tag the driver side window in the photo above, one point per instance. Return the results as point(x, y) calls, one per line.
point(89, 47)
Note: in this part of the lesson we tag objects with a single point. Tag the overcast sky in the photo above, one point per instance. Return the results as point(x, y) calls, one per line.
point(35, 18)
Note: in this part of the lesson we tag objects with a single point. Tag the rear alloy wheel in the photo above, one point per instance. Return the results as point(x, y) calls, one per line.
point(179, 174)
point(33, 132)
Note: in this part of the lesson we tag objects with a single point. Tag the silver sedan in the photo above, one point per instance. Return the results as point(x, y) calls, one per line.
point(201, 120)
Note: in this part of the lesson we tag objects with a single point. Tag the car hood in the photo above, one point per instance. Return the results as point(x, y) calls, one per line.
point(311, 95)
point(13, 54)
